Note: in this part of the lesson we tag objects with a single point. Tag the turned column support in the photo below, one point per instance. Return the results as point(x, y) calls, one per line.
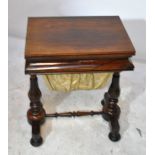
point(36, 113)
point(110, 105)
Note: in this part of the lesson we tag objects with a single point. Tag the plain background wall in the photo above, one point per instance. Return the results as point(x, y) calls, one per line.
point(132, 12)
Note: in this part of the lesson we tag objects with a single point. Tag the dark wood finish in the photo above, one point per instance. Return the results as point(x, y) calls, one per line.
point(110, 105)
point(76, 36)
point(76, 113)
point(76, 45)
point(79, 66)
point(36, 114)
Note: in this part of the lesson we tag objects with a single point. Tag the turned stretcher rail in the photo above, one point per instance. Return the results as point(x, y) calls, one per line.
point(75, 114)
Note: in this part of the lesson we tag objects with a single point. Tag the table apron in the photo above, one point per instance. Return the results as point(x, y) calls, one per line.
point(80, 66)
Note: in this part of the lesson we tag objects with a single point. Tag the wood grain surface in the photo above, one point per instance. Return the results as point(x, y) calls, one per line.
point(76, 45)
point(77, 36)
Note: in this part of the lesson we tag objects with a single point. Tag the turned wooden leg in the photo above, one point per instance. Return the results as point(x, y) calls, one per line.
point(36, 113)
point(110, 105)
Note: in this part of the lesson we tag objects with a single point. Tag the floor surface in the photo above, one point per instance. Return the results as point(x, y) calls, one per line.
point(75, 136)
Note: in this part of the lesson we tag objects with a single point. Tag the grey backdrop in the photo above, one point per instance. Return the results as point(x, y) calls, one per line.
point(80, 136)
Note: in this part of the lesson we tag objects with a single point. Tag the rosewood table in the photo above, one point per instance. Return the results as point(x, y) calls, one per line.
point(76, 45)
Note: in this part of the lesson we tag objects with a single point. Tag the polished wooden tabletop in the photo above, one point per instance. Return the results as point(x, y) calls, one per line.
point(77, 36)
point(76, 45)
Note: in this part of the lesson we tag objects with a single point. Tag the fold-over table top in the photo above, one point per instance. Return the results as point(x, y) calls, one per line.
point(77, 36)
point(77, 44)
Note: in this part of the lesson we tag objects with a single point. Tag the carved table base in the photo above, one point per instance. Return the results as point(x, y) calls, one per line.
point(110, 105)
point(36, 113)
point(110, 111)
